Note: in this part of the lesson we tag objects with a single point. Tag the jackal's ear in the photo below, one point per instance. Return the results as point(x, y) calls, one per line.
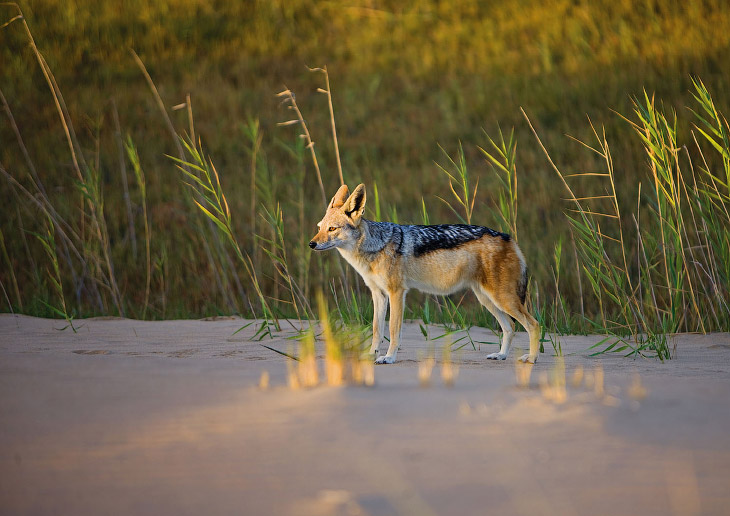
point(339, 199)
point(354, 206)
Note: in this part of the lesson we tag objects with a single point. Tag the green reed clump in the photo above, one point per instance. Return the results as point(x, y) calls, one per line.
point(206, 185)
point(48, 241)
point(503, 157)
point(142, 185)
point(465, 197)
point(600, 237)
point(659, 136)
point(278, 255)
point(673, 282)
point(13, 279)
point(709, 203)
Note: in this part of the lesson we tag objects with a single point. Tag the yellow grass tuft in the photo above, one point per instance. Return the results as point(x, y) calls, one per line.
point(292, 376)
point(636, 390)
point(449, 369)
point(362, 370)
point(598, 386)
point(523, 372)
point(307, 370)
point(552, 385)
point(264, 380)
point(577, 377)
point(425, 369)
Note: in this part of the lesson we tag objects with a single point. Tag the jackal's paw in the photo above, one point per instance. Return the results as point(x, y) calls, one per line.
point(497, 356)
point(528, 358)
point(385, 359)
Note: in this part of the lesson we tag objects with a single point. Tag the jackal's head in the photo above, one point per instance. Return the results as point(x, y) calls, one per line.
point(340, 226)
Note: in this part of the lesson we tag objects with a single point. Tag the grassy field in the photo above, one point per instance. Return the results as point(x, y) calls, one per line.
point(99, 99)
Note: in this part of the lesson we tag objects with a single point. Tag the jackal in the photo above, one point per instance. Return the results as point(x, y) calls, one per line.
point(394, 258)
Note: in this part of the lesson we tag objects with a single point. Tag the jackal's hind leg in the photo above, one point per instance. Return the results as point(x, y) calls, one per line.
point(508, 328)
point(516, 309)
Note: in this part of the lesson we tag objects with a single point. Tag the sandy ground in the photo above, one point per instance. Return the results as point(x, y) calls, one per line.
point(130, 417)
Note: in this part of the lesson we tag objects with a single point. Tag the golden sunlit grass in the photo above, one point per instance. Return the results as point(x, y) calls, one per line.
point(449, 368)
point(334, 361)
point(344, 360)
point(523, 373)
point(636, 390)
point(292, 376)
point(552, 383)
point(307, 371)
point(598, 381)
point(264, 380)
point(425, 368)
point(576, 379)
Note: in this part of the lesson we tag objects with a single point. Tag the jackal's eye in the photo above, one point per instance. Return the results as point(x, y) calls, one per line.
point(332, 228)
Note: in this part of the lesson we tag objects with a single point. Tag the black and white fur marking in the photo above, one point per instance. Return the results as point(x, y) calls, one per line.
point(419, 240)
point(448, 236)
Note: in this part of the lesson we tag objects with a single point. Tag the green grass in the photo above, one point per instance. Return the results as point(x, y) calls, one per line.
point(420, 94)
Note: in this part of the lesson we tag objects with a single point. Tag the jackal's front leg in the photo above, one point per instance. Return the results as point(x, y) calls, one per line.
point(397, 303)
point(380, 307)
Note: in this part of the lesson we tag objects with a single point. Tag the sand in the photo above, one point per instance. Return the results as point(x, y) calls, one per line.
point(131, 417)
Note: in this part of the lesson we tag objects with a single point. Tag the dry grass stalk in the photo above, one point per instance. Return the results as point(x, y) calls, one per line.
point(185, 167)
point(289, 98)
point(160, 104)
point(256, 138)
point(191, 124)
point(79, 163)
point(94, 203)
point(13, 279)
point(125, 186)
point(55, 91)
point(142, 185)
point(327, 91)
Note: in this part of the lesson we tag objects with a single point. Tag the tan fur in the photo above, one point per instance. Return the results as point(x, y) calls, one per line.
point(490, 266)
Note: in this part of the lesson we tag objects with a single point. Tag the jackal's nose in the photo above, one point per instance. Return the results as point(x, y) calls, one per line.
point(312, 244)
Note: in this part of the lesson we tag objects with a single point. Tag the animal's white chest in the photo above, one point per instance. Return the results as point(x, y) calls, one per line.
point(363, 268)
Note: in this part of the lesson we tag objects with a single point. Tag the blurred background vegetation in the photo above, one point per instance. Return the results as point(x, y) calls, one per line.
point(407, 78)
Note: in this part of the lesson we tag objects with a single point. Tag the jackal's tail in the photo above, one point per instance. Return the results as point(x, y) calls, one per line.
point(524, 278)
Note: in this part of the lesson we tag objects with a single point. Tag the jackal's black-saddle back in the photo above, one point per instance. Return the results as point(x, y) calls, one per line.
point(447, 236)
point(420, 240)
